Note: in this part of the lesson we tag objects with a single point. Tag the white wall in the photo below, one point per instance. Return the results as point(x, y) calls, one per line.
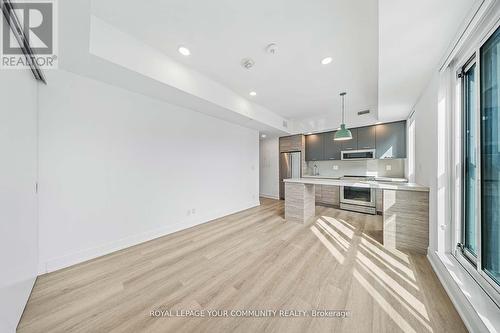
point(118, 168)
point(426, 116)
point(269, 168)
point(18, 172)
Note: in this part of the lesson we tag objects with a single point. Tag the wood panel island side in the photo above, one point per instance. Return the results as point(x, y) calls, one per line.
point(405, 210)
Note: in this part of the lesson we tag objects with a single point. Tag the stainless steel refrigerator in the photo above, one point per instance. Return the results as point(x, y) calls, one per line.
point(290, 167)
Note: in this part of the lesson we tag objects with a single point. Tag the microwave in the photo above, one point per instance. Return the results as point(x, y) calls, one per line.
point(365, 154)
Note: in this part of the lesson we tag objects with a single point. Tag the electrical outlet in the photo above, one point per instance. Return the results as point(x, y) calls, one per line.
point(388, 167)
point(335, 167)
point(193, 211)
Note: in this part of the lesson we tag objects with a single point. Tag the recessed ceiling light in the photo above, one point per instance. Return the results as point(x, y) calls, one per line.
point(263, 136)
point(252, 93)
point(326, 60)
point(184, 50)
point(309, 133)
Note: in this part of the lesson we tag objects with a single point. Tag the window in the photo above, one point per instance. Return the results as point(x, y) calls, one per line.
point(480, 103)
point(490, 157)
point(469, 162)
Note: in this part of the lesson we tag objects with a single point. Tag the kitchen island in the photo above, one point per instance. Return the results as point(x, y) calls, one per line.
point(405, 209)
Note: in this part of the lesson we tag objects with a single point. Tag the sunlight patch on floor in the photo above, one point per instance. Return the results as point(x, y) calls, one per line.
point(394, 271)
point(333, 250)
point(389, 283)
point(341, 226)
point(388, 260)
point(334, 234)
point(396, 253)
point(393, 313)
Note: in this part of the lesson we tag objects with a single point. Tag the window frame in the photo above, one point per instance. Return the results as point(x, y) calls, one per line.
point(472, 265)
point(473, 60)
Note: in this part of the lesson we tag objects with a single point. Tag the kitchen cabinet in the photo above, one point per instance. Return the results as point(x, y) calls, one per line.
point(353, 143)
point(330, 195)
point(366, 137)
point(331, 148)
point(317, 190)
point(379, 203)
point(290, 143)
point(391, 140)
point(314, 147)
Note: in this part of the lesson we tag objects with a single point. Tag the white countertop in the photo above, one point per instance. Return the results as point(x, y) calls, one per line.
point(383, 185)
point(380, 179)
point(320, 177)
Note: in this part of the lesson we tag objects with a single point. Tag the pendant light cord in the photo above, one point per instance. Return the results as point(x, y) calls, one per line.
point(342, 94)
point(343, 110)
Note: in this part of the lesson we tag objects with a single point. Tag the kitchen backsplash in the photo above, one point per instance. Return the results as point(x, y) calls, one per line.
point(378, 168)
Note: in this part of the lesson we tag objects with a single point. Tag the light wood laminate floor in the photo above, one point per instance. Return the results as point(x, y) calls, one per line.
point(249, 260)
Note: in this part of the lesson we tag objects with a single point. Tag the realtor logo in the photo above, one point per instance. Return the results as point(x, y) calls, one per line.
point(29, 34)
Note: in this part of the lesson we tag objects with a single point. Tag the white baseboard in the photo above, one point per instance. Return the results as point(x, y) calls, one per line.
point(269, 196)
point(92, 253)
point(472, 304)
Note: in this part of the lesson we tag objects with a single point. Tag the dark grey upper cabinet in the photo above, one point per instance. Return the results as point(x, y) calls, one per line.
point(353, 143)
point(314, 147)
point(391, 140)
point(366, 137)
point(331, 148)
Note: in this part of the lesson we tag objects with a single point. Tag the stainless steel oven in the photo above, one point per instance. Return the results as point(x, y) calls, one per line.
point(359, 199)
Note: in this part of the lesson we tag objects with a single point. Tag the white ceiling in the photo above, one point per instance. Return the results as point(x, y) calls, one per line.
point(292, 83)
point(383, 72)
point(414, 37)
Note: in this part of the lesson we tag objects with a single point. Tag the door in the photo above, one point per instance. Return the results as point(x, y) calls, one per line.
point(390, 140)
point(331, 147)
point(314, 147)
point(18, 173)
point(353, 143)
point(366, 137)
point(285, 172)
point(295, 165)
point(330, 195)
point(362, 196)
point(290, 167)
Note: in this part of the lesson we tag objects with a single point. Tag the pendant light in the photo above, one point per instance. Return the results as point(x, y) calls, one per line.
point(343, 133)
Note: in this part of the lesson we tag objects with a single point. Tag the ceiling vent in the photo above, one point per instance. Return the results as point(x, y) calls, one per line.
point(360, 113)
point(247, 63)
